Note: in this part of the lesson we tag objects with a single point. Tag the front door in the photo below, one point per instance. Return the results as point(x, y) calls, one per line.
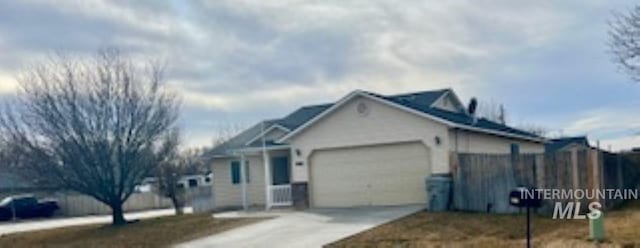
point(280, 170)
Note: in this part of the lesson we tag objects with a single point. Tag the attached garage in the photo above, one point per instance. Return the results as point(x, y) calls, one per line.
point(380, 175)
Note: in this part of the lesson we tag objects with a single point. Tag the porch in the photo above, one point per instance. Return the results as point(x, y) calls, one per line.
point(277, 175)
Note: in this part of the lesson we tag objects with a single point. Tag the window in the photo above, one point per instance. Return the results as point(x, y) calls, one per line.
point(235, 172)
point(193, 183)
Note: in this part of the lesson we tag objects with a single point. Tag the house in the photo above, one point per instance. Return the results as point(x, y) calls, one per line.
point(149, 184)
point(364, 149)
point(194, 181)
point(566, 144)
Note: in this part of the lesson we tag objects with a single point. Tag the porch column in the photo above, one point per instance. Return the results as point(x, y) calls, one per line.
point(267, 179)
point(243, 181)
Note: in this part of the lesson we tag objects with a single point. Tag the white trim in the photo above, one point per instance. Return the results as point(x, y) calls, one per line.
point(243, 181)
point(446, 92)
point(264, 132)
point(410, 110)
point(259, 149)
point(449, 91)
point(237, 152)
point(267, 171)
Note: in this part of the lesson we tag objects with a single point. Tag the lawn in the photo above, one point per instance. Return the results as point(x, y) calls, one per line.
point(157, 232)
point(456, 229)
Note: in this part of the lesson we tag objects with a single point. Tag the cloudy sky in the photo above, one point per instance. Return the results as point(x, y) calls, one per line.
point(237, 62)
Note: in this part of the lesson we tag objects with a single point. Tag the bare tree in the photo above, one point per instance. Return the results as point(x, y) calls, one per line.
point(535, 129)
point(170, 173)
point(624, 41)
point(493, 111)
point(96, 125)
point(226, 132)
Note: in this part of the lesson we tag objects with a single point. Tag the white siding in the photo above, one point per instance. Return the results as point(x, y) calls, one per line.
point(471, 142)
point(384, 124)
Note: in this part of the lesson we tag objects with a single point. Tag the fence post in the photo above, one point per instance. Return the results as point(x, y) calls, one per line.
point(620, 172)
point(574, 168)
point(539, 179)
point(597, 172)
point(454, 167)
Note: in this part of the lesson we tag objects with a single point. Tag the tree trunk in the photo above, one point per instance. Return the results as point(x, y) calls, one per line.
point(117, 214)
point(177, 205)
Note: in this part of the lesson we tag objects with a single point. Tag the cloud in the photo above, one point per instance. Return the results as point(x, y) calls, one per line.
point(249, 60)
point(8, 85)
point(621, 143)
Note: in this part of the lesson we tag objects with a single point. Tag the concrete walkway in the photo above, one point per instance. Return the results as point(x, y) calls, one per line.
point(41, 224)
point(312, 228)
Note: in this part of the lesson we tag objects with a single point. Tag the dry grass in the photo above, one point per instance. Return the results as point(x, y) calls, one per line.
point(158, 232)
point(455, 229)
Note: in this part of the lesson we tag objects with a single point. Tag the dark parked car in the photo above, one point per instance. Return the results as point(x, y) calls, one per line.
point(26, 207)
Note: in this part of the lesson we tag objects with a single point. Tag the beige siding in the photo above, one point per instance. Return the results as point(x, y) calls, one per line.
point(384, 124)
point(390, 174)
point(471, 142)
point(227, 194)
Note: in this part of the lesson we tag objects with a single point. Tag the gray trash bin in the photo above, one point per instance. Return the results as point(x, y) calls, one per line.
point(438, 189)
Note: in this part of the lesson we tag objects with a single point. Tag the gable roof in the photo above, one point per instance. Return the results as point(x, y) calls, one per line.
point(426, 98)
point(420, 103)
point(462, 119)
point(302, 115)
point(452, 119)
point(559, 143)
point(239, 140)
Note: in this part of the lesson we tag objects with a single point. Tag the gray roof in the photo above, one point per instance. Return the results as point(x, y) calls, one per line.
point(556, 144)
point(239, 140)
point(420, 101)
point(302, 115)
point(456, 117)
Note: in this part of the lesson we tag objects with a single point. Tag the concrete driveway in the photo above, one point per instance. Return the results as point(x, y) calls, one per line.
point(311, 228)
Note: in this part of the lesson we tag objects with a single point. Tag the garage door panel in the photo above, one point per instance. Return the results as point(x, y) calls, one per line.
point(390, 174)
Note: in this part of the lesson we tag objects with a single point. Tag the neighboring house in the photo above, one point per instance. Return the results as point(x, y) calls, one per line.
point(186, 181)
point(364, 149)
point(194, 181)
point(566, 144)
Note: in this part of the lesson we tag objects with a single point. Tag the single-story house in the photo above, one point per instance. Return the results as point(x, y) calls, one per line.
point(364, 149)
point(566, 144)
point(187, 181)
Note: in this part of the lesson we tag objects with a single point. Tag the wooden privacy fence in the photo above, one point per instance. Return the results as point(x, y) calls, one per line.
point(74, 204)
point(482, 182)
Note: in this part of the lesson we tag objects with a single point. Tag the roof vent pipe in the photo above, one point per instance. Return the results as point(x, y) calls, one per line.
point(473, 105)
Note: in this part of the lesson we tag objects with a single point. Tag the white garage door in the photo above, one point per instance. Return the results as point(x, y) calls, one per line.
point(370, 175)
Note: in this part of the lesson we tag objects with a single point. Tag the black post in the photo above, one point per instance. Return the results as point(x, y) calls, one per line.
point(528, 228)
